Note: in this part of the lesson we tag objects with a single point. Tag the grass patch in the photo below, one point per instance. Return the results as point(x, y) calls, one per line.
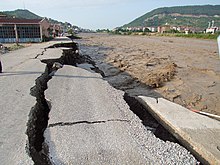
point(15, 47)
point(192, 35)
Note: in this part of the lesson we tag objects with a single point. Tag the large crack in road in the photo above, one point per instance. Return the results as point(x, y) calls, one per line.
point(38, 116)
point(38, 120)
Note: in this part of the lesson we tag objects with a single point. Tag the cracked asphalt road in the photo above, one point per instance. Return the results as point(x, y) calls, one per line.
point(20, 70)
point(90, 123)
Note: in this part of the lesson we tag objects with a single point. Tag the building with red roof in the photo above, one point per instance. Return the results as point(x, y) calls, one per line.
point(23, 30)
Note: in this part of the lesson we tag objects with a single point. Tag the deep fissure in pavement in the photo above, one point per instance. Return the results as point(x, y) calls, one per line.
point(39, 114)
point(38, 121)
point(148, 120)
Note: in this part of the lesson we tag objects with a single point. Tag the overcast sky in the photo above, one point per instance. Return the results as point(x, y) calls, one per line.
point(94, 14)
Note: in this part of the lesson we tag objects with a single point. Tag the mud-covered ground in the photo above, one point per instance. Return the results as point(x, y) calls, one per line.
point(185, 71)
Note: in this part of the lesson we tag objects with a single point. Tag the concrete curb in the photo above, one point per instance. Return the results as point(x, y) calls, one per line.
point(199, 134)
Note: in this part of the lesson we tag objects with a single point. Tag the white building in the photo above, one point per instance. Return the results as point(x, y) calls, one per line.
point(211, 28)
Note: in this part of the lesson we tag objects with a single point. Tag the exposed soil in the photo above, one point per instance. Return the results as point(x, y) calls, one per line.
point(185, 71)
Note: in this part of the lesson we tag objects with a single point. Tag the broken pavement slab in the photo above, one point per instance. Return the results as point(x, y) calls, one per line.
point(199, 134)
point(86, 126)
point(90, 123)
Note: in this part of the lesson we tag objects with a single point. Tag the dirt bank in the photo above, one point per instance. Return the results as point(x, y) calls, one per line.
point(186, 71)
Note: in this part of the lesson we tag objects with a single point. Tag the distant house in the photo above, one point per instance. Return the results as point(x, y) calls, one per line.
point(152, 29)
point(3, 16)
point(23, 30)
point(211, 28)
point(56, 30)
point(163, 29)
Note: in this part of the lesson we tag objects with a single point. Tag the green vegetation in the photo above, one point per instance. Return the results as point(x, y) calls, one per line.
point(29, 15)
point(72, 34)
point(192, 35)
point(22, 14)
point(70, 31)
point(171, 33)
point(15, 47)
point(129, 32)
point(1, 13)
point(46, 39)
point(126, 32)
point(103, 30)
point(187, 16)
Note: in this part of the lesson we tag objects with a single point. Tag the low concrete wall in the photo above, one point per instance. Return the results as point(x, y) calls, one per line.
point(20, 40)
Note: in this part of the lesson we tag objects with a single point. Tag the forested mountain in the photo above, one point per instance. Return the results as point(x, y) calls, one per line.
point(19, 13)
point(196, 16)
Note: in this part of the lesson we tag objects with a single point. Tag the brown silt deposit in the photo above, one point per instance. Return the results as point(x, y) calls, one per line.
point(183, 70)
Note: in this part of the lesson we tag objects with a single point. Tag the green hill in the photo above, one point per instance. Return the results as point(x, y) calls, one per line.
point(19, 13)
point(195, 16)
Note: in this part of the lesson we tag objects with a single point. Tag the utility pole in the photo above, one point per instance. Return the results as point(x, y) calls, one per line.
point(16, 33)
point(218, 40)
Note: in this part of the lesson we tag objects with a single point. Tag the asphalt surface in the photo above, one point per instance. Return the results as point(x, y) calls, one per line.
point(90, 123)
point(20, 70)
point(19, 73)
